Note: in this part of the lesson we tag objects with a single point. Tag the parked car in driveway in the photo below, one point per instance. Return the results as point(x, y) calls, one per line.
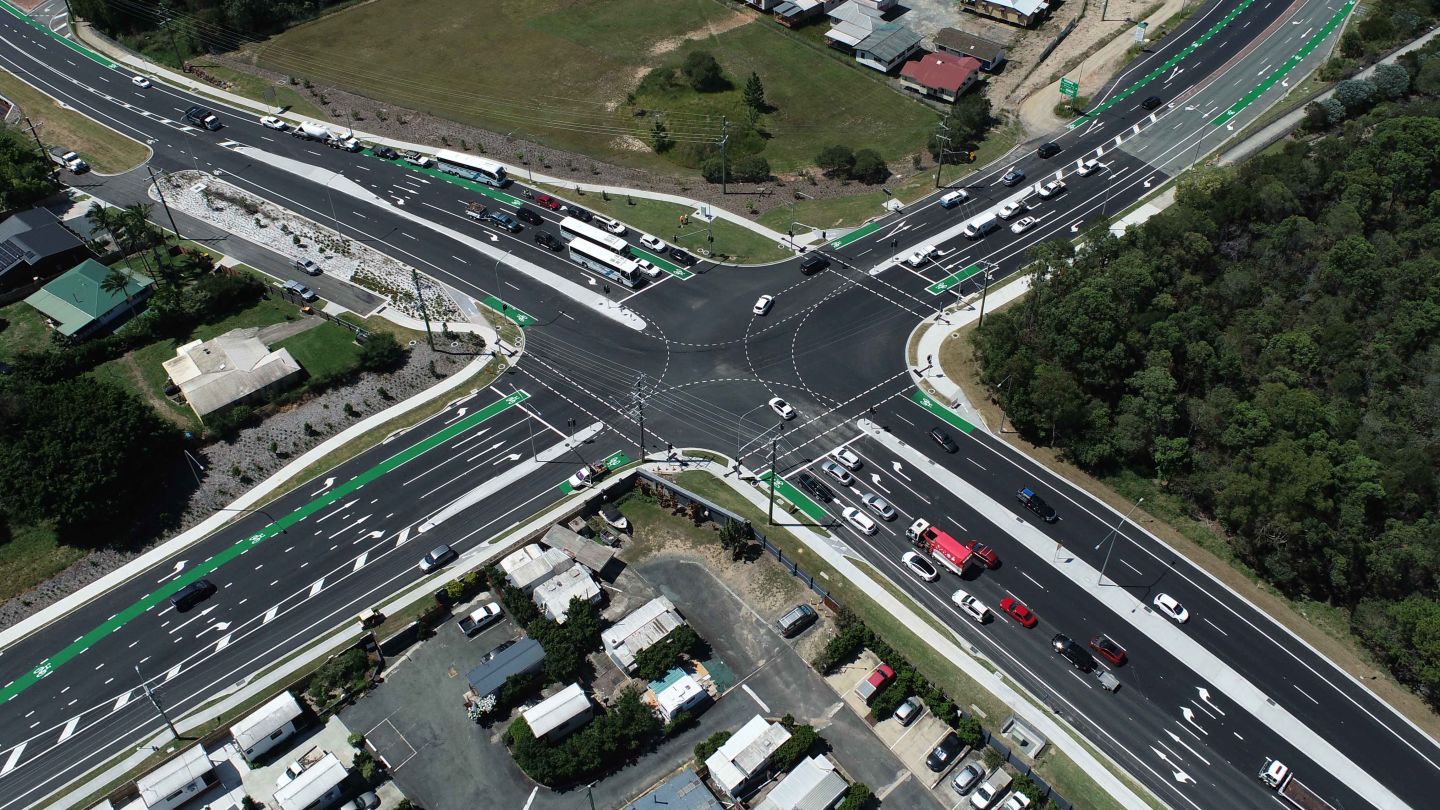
point(908, 710)
point(875, 682)
point(919, 566)
point(304, 293)
point(795, 620)
point(942, 756)
point(967, 778)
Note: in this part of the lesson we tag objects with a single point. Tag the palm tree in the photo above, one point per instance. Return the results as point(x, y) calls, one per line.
point(117, 280)
point(106, 219)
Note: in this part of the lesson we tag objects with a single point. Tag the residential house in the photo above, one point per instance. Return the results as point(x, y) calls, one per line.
point(942, 76)
point(679, 695)
point(230, 369)
point(814, 784)
point(991, 54)
point(762, 5)
point(638, 631)
point(518, 657)
point(887, 47)
point(1024, 13)
point(553, 598)
point(178, 780)
point(793, 13)
point(78, 305)
point(316, 786)
point(852, 23)
point(266, 727)
point(530, 566)
point(741, 763)
point(33, 244)
point(683, 791)
point(553, 718)
point(598, 558)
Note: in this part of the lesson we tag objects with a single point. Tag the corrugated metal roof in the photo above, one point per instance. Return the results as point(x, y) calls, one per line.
point(173, 775)
point(265, 720)
point(312, 783)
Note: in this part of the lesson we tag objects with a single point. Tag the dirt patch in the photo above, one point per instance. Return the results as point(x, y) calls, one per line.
point(715, 29)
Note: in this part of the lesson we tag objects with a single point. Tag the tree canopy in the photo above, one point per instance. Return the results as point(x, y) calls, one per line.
point(1266, 350)
point(26, 176)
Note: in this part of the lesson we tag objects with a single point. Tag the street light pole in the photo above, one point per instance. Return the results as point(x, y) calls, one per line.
point(154, 700)
point(503, 305)
point(983, 291)
point(774, 473)
point(1113, 530)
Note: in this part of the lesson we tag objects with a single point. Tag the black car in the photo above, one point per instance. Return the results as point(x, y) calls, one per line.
point(1013, 177)
point(815, 487)
point(943, 439)
point(526, 215)
point(193, 594)
point(1048, 150)
point(1082, 660)
point(504, 220)
point(682, 258)
point(1151, 102)
point(813, 264)
point(943, 755)
point(387, 153)
point(581, 214)
point(545, 240)
point(1036, 504)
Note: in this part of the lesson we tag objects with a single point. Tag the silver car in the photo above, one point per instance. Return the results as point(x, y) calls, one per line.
point(878, 505)
point(837, 472)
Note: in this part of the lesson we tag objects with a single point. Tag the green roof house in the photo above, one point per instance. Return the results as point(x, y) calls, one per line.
point(80, 303)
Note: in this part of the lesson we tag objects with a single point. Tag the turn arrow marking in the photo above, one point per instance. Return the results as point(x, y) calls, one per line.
point(178, 566)
point(896, 466)
point(875, 478)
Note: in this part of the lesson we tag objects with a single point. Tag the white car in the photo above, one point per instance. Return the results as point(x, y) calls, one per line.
point(1017, 801)
point(782, 408)
point(984, 796)
point(271, 122)
point(1170, 606)
point(613, 226)
point(582, 478)
point(922, 254)
point(1010, 209)
point(878, 505)
point(846, 456)
point(139, 81)
point(652, 243)
point(1023, 224)
point(971, 606)
point(649, 270)
point(1050, 189)
point(837, 472)
point(1089, 167)
point(856, 518)
point(762, 306)
point(919, 566)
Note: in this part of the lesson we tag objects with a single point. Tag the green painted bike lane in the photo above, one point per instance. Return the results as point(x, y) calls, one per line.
point(72, 45)
point(923, 400)
point(514, 313)
point(480, 188)
point(855, 235)
point(663, 263)
point(340, 491)
point(612, 462)
point(792, 493)
point(1194, 45)
point(944, 284)
point(1277, 75)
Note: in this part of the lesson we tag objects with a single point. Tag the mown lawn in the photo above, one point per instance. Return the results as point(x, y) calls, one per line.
point(24, 329)
point(325, 351)
point(106, 150)
point(559, 72)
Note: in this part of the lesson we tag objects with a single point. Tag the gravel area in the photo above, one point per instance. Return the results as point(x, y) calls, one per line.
point(232, 468)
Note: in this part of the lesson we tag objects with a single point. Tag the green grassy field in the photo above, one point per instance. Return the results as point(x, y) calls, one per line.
point(295, 99)
point(32, 556)
point(105, 149)
point(325, 351)
point(558, 72)
point(25, 329)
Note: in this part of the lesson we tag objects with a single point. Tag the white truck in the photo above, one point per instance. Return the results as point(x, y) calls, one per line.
point(310, 131)
point(69, 159)
point(1277, 775)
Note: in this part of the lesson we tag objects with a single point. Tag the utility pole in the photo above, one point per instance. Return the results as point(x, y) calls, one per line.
point(774, 473)
point(988, 272)
point(724, 141)
point(944, 138)
point(638, 395)
point(161, 194)
point(429, 336)
point(45, 156)
point(150, 693)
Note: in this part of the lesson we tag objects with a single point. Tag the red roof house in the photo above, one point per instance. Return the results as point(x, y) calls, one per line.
point(940, 75)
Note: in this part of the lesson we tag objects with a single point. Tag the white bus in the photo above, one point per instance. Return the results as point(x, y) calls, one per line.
point(478, 169)
point(572, 228)
point(605, 262)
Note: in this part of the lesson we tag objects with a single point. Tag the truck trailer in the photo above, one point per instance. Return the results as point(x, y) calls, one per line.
point(69, 159)
point(1278, 776)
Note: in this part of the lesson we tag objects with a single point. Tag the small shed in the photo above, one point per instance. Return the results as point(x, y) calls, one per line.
point(553, 598)
point(177, 781)
point(814, 784)
point(553, 718)
point(316, 786)
point(587, 552)
point(266, 727)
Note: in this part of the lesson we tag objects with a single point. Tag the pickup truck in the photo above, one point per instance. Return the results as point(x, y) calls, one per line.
point(877, 680)
point(69, 159)
point(1277, 775)
point(479, 619)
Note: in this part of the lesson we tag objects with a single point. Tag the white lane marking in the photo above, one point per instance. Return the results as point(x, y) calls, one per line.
point(317, 587)
point(270, 615)
point(224, 642)
point(360, 561)
point(1216, 626)
point(120, 702)
point(172, 672)
point(531, 800)
point(14, 758)
point(1306, 694)
point(1032, 579)
point(70, 728)
point(755, 697)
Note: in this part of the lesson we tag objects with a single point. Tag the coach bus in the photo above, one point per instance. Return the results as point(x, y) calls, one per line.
point(478, 169)
point(607, 263)
point(572, 228)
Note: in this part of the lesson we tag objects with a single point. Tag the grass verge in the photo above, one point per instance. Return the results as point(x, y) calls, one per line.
point(106, 150)
point(257, 88)
point(33, 554)
point(24, 330)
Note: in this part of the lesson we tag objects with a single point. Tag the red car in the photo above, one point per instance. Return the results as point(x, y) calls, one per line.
point(1108, 649)
point(1018, 611)
point(548, 201)
point(992, 560)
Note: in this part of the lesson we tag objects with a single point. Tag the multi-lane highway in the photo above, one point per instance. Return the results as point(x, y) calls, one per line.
point(1199, 704)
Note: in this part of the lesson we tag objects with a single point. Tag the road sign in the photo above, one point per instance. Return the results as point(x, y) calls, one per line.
point(1069, 88)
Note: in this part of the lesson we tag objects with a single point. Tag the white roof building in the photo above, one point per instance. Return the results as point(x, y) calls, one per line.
point(853, 22)
point(561, 713)
point(684, 693)
point(553, 598)
point(745, 755)
point(228, 369)
point(531, 566)
point(811, 785)
point(177, 781)
point(266, 726)
point(312, 785)
point(641, 629)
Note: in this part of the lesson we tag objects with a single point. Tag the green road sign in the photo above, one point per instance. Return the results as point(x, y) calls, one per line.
point(1069, 87)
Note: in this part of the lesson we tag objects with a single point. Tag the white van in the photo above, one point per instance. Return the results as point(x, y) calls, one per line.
point(953, 199)
point(981, 225)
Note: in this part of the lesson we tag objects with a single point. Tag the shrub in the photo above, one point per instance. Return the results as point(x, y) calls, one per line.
point(705, 748)
point(836, 160)
point(802, 740)
point(969, 731)
point(1355, 94)
point(356, 740)
point(703, 72)
point(367, 766)
point(869, 167)
point(381, 352)
point(347, 671)
point(607, 742)
point(654, 661)
point(742, 169)
point(857, 797)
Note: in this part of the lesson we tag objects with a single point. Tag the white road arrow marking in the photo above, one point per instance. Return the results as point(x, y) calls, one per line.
point(371, 536)
point(896, 466)
point(323, 487)
point(1075, 226)
point(1190, 718)
point(221, 626)
point(1176, 72)
point(1147, 181)
point(192, 619)
point(1178, 741)
point(1180, 776)
point(1205, 696)
point(178, 567)
point(459, 414)
point(357, 522)
point(875, 478)
point(511, 457)
point(591, 279)
point(493, 237)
